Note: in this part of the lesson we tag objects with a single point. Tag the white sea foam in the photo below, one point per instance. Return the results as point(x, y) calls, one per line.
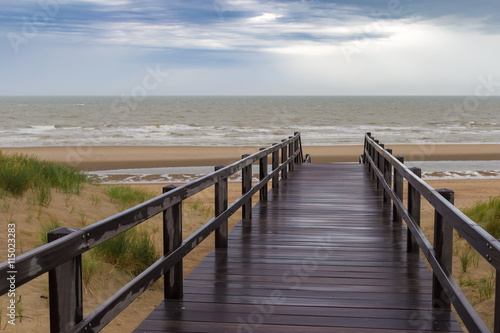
point(219, 121)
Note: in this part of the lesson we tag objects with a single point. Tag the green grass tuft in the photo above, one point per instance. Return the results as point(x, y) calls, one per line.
point(126, 197)
point(19, 172)
point(131, 251)
point(487, 215)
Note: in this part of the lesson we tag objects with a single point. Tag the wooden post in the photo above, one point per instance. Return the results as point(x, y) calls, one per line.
point(290, 153)
point(275, 165)
point(220, 207)
point(380, 164)
point(366, 148)
point(295, 148)
point(496, 328)
point(172, 239)
point(283, 160)
point(398, 188)
point(387, 176)
point(375, 160)
point(246, 185)
point(443, 244)
point(262, 175)
point(65, 289)
point(414, 199)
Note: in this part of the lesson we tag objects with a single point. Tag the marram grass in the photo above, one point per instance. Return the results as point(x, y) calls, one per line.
point(19, 172)
point(126, 197)
point(487, 215)
point(131, 251)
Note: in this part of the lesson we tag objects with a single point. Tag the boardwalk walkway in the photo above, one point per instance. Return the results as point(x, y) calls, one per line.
point(322, 255)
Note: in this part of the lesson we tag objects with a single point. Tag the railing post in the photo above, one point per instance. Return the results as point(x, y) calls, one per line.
point(220, 207)
point(275, 165)
point(295, 147)
point(365, 147)
point(380, 164)
point(387, 175)
point(290, 153)
point(414, 199)
point(496, 328)
point(283, 160)
point(262, 175)
point(375, 161)
point(246, 185)
point(65, 289)
point(172, 239)
point(398, 189)
point(443, 244)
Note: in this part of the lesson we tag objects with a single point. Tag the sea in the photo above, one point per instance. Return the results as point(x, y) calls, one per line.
point(32, 121)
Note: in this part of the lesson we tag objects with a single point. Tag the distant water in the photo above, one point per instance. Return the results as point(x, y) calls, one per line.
point(234, 121)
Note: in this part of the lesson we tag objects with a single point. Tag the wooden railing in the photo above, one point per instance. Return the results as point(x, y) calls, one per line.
point(61, 258)
point(390, 172)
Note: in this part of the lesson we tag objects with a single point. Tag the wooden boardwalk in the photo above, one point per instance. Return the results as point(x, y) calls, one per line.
point(321, 255)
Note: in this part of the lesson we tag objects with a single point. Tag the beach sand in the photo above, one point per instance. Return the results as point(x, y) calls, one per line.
point(108, 158)
point(467, 192)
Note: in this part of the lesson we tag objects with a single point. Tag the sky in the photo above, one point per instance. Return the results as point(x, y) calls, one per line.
point(249, 47)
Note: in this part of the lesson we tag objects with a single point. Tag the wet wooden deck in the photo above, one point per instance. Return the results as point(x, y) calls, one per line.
point(322, 255)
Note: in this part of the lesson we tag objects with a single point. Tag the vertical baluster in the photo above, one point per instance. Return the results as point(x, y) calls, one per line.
point(283, 160)
point(398, 189)
point(263, 174)
point(172, 239)
point(246, 185)
point(443, 244)
point(387, 175)
point(65, 289)
point(275, 165)
point(414, 199)
point(220, 207)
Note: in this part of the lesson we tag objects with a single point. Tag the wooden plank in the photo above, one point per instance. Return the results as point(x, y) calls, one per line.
point(321, 255)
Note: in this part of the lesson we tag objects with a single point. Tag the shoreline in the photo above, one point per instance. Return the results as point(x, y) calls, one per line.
point(93, 158)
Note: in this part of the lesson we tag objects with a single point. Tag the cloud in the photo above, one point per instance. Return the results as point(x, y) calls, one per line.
point(303, 45)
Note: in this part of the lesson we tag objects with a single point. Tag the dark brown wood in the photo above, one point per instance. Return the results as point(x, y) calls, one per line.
point(387, 175)
point(221, 206)
point(314, 260)
point(290, 153)
point(283, 159)
point(246, 184)
point(443, 244)
point(172, 239)
point(275, 163)
point(398, 189)
point(65, 289)
point(496, 328)
point(414, 208)
point(467, 228)
point(262, 175)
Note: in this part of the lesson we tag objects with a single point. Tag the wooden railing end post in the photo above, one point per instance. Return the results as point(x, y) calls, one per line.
point(65, 289)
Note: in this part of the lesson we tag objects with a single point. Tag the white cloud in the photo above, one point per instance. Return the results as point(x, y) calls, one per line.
point(264, 18)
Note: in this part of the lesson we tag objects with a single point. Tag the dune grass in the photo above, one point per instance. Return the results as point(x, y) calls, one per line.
point(487, 215)
point(126, 196)
point(19, 172)
point(131, 251)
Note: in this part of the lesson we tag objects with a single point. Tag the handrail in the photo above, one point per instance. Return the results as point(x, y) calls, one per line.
point(53, 255)
point(385, 167)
